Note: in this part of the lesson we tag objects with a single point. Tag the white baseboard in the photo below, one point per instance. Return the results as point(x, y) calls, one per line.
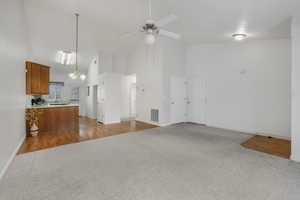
point(166, 124)
point(236, 130)
point(148, 122)
point(272, 135)
point(2, 172)
point(156, 124)
point(126, 119)
point(294, 158)
point(249, 132)
point(112, 122)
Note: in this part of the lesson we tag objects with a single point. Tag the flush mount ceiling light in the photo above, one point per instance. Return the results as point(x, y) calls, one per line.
point(239, 36)
point(76, 73)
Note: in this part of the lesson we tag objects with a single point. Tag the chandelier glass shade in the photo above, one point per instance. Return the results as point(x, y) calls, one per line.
point(65, 57)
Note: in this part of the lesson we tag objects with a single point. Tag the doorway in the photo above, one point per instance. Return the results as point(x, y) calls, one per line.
point(95, 100)
point(197, 100)
point(132, 101)
point(100, 104)
point(178, 97)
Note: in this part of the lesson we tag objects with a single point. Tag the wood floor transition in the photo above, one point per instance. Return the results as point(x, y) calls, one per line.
point(269, 145)
point(89, 129)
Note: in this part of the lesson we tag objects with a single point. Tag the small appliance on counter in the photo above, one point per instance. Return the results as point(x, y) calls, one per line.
point(37, 100)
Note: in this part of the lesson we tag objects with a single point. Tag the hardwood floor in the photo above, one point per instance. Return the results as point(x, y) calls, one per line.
point(89, 129)
point(273, 146)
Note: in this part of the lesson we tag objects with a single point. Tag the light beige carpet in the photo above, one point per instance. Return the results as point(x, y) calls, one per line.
point(178, 162)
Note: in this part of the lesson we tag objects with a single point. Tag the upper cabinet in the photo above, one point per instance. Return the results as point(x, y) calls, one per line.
point(37, 78)
point(44, 79)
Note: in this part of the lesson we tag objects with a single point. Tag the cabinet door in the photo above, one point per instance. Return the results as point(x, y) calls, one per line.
point(44, 80)
point(35, 78)
point(43, 121)
point(28, 78)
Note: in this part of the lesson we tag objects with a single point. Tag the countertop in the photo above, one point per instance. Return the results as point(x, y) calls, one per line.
point(53, 106)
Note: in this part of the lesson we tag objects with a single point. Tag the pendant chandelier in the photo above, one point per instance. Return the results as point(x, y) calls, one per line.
point(76, 73)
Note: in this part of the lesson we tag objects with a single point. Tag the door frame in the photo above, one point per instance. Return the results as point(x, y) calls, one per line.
point(95, 101)
point(184, 97)
point(197, 100)
point(132, 115)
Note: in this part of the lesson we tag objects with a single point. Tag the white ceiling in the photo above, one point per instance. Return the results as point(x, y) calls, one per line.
point(51, 23)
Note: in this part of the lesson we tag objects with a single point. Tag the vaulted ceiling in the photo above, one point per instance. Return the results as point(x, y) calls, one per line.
point(51, 23)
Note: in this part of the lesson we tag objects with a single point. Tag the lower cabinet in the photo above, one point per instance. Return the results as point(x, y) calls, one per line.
point(56, 120)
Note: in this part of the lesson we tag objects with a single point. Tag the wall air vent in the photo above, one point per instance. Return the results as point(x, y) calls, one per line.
point(155, 115)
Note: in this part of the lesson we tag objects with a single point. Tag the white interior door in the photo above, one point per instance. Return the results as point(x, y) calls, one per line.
point(100, 104)
point(178, 95)
point(133, 100)
point(197, 101)
point(95, 100)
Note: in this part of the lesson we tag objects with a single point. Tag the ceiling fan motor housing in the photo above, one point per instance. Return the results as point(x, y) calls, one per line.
point(150, 28)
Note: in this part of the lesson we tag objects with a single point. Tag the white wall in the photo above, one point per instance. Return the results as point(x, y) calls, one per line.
point(153, 67)
point(111, 84)
point(12, 79)
point(105, 62)
point(295, 125)
point(173, 63)
point(126, 84)
point(120, 63)
point(92, 80)
point(90, 113)
point(102, 63)
point(145, 61)
point(247, 84)
point(93, 72)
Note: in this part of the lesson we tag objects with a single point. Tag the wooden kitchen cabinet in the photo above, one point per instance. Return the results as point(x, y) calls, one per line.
point(44, 79)
point(57, 120)
point(28, 78)
point(37, 78)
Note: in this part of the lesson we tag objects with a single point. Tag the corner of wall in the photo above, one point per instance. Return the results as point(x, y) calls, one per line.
point(295, 157)
point(11, 158)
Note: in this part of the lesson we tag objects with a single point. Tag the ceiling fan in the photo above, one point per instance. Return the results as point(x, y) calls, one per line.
point(154, 28)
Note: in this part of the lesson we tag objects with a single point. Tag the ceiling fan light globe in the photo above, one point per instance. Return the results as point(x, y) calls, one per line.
point(149, 31)
point(150, 39)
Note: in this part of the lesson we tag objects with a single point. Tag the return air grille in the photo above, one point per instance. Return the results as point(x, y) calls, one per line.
point(154, 115)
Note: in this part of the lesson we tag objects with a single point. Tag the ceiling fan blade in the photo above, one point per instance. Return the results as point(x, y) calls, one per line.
point(166, 20)
point(128, 35)
point(169, 34)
